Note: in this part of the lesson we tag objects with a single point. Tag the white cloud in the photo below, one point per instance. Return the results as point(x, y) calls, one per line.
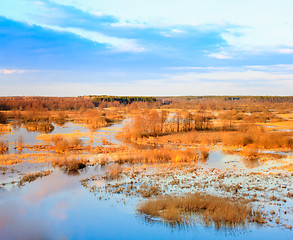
point(246, 80)
point(255, 26)
point(43, 14)
point(11, 71)
point(128, 24)
point(220, 55)
point(97, 13)
point(177, 31)
point(199, 68)
point(278, 68)
point(154, 87)
point(286, 50)
point(119, 44)
point(248, 75)
point(261, 25)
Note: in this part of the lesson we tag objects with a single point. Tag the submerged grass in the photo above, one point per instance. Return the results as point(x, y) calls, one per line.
point(114, 172)
point(220, 211)
point(30, 177)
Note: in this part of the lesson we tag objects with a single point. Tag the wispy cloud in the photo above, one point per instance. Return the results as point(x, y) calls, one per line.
point(55, 17)
point(220, 55)
point(268, 26)
point(12, 71)
point(199, 68)
point(286, 50)
point(234, 76)
point(119, 44)
point(194, 47)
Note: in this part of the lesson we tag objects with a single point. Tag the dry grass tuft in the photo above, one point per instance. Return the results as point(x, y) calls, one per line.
point(63, 145)
point(5, 128)
point(258, 139)
point(104, 141)
point(30, 177)
point(3, 147)
point(71, 166)
point(215, 210)
point(204, 153)
point(149, 190)
point(39, 127)
point(114, 172)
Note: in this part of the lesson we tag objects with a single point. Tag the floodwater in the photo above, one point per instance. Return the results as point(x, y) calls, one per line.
point(46, 210)
point(30, 137)
point(58, 207)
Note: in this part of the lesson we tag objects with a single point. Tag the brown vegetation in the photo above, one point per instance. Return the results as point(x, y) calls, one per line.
point(62, 145)
point(45, 103)
point(70, 166)
point(114, 172)
point(156, 123)
point(258, 139)
point(5, 128)
point(212, 209)
point(39, 127)
point(30, 177)
point(3, 118)
point(159, 156)
point(3, 147)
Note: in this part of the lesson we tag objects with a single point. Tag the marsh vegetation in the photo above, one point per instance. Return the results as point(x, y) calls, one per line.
point(222, 162)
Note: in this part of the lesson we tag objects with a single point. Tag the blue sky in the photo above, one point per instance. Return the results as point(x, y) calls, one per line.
point(154, 47)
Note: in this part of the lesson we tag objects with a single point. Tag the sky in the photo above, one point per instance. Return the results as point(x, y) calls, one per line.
point(146, 47)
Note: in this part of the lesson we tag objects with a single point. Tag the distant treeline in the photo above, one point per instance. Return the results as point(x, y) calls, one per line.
point(272, 99)
point(180, 102)
point(45, 103)
point(121, 100)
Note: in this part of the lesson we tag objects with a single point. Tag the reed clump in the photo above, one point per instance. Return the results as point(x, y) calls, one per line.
point(162, 155)
point(62, 145)
point(3, 118)
point(30, 177)
point(5, 128)
point(258, 139)
point(39, 127)
point(220, 211)
point(3, 146)
point(70, 165)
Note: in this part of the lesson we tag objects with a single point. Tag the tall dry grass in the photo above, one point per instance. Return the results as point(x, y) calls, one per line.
point(114, 172)
point(71, 165)
point(3, 146)
point(258, 140)
point(219, 211)
point(39, 127)
point(30, 177)
point(62, 145)
point(159, 156)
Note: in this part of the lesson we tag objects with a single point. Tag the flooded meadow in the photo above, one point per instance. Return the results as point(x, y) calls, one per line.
point(75, 182)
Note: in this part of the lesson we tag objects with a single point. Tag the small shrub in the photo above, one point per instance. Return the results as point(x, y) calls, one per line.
point(3, 146)
point(105, 141)
point(75, 142)
point(3, 118)
point(204, 153)
point(71, 166)
point(289, 195)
